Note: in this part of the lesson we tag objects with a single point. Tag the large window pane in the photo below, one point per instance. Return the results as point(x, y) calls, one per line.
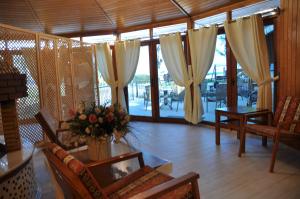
point(139, 89)
point(139, 34)
point(214, 87)
point(169, 29)
point(170, 95)
point(100, 39)
point(216, 19)
point(247, 88)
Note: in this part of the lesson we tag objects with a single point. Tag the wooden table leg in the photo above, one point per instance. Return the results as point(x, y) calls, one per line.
point(217, 128)
point(264, 140)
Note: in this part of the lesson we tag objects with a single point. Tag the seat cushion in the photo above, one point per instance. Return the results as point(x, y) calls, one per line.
point(149, 180)
point(261, 129)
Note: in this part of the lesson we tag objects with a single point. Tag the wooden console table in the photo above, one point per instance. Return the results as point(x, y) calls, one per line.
point(235, 120)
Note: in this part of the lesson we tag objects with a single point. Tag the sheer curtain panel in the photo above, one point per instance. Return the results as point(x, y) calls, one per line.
point(202, 48)
point(172, 52)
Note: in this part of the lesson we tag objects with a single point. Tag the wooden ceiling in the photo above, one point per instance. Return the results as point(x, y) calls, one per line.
point(86, 16)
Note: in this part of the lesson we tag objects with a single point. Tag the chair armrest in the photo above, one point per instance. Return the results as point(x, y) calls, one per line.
point(168, 186)
point(258, 114)
point(119, 158)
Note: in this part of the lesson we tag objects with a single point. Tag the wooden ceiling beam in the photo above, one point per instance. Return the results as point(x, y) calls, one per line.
point(105, 14)
point(89, 33)
point(225, 8)
point(180, 8)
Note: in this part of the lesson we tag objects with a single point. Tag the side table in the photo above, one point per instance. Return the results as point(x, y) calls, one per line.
point(236, 118)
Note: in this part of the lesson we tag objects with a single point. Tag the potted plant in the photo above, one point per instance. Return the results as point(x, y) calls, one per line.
point(100, 125)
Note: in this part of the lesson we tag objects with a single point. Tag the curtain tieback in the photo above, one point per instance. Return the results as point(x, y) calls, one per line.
point(189, 83)
point(269, 80)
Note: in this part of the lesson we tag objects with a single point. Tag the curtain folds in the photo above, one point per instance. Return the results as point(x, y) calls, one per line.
point(105, 67)
point(202, 48)
point(127, 57)
point(248, 43)
point(173, 55)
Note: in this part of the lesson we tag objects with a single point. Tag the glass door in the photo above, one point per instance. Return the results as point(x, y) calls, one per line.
point(246, 87)
point(139, 89)
point(170, 95)
point(214, 86)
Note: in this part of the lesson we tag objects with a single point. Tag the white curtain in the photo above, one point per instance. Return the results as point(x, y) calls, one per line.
point(202, 47)
point(172, 52)
point(248, 43)
point(127, 57)
point(105, 67)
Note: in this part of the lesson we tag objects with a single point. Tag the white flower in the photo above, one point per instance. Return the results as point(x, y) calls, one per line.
point(87, 130)
point(65, 125)
point(97, 110)
point(100, 120)
point(82, 117)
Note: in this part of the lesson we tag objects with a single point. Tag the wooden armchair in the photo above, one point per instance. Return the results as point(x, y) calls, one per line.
point(56, 134)
point(77, 180)
point(284, 126)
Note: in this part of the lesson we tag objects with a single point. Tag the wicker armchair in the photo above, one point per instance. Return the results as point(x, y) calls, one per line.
point(78, 180)
point(284, 126)
point(56, 134)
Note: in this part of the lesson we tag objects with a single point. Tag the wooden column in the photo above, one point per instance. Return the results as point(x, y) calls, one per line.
point(10, 125)
point(231, 72)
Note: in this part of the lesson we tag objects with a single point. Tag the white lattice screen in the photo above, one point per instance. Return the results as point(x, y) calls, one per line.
point(60, 74)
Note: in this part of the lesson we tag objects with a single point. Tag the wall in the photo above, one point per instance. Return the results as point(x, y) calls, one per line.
point(288, 49)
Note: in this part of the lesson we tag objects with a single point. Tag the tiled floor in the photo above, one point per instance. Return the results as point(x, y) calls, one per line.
point(222, 173)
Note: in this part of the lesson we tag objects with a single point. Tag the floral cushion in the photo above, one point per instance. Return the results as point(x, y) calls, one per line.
point(148, 181)
point(79, 169)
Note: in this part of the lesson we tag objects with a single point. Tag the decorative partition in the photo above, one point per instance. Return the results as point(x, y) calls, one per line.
point(60, 73)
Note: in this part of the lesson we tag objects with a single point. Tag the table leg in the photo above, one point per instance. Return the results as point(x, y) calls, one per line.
point(242, 131)
point(264, 140)
point(217, 128)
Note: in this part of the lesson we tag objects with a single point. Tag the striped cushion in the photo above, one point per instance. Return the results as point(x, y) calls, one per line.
point(148, 181)
point(77, 168)
point(287, 110)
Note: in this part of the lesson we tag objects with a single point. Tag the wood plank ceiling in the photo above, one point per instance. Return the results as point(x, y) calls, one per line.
point(84, 16)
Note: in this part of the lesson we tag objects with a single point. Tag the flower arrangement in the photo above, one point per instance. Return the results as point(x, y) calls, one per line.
point(100, 122)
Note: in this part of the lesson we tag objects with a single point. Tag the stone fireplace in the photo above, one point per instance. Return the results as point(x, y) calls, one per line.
point(12, 87)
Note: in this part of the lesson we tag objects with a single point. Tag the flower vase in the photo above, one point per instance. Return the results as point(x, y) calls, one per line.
point(99, 149)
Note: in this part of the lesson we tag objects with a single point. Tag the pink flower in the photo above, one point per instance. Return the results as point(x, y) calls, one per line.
point(92, 118)
point(72, 113)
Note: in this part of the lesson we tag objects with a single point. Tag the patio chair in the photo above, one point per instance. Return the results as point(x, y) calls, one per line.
point(219, 96)
point(283, 127)
point(177, 98)
point(79, 180)
point(146, 96)
point(56, 134)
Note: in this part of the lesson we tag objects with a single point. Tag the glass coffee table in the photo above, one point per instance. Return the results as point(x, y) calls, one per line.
point(109, 174)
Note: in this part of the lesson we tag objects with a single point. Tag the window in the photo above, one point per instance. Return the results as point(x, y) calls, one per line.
point(261, 7)
point(169, 29)
point(76, 38)
point(171, 96)
point(139, 89)
point(140, 34)
point(214, 86)
point(216, 19)
point(100, 39)
point(247, 88)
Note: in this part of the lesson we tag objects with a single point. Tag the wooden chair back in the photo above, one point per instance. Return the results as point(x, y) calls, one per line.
point(68, 181)
point(287, 110)
point(48, 123)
